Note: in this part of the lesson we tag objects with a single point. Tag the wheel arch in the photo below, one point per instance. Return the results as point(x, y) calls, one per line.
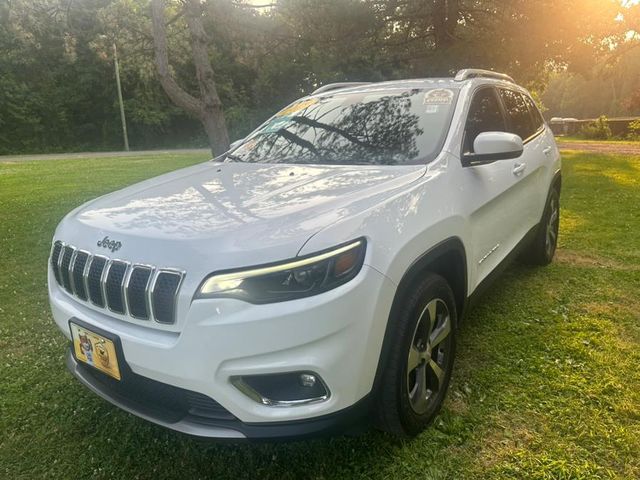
point(556, 181)
point(447, 259)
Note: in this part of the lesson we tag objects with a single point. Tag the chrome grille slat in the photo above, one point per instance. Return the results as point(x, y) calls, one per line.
point(85, 274)
point(103, 282)
point(143, 292)
point(72, 263)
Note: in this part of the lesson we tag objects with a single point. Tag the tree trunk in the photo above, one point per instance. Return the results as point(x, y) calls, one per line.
point(445, 19)
point(207, 108)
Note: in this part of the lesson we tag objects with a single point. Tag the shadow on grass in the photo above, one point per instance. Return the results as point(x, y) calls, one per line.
point(139, 446)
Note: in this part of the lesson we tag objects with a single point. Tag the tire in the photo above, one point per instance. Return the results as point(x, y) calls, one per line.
point(543, 247)
point(417, 372)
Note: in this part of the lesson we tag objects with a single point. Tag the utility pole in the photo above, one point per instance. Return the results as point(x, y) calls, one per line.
point(122, 117)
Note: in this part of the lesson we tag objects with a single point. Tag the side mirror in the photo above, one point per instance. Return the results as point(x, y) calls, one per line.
point(489, 147)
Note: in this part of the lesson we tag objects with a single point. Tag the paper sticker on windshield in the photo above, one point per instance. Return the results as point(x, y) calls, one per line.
point(432, 109)
point(439, 96)
point(296, 107)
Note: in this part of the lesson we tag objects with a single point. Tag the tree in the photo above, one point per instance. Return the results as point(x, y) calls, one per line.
point(207, 108)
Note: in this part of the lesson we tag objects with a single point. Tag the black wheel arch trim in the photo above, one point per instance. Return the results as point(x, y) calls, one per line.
point(421, 264)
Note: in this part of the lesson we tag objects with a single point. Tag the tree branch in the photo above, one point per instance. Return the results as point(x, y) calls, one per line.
point(177, 95)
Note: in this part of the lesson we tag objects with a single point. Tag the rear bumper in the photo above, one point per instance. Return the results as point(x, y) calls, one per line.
point(232, 429)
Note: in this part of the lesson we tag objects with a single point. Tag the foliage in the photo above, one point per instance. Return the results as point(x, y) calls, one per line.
point(546, 381)
point(611, 89)
point(57, 89)
point(598, 130)
point(634, 130)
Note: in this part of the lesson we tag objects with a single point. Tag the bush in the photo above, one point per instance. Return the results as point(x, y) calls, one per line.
point(598, 130)
point(634, 130)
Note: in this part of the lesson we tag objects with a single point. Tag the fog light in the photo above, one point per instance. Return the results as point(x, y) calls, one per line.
point(307, 380)
point(283, 389)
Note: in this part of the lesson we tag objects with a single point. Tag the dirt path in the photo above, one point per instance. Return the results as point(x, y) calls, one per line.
point(602, 147)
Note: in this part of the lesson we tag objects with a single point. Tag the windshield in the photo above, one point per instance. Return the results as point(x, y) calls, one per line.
point(372, 127)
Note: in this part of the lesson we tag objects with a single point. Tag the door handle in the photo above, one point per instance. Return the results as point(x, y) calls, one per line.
point(547, 150)
point(518, 168)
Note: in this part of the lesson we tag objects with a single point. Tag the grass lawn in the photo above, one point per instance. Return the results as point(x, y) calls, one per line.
point(584, 140)
point(546, 384)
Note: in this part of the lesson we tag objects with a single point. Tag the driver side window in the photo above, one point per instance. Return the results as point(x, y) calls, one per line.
point(485, 115)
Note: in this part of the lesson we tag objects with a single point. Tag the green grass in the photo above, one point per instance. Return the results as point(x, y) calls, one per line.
point(546, 384)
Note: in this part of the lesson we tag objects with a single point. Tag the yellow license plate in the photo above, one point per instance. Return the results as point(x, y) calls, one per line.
point(95, 350)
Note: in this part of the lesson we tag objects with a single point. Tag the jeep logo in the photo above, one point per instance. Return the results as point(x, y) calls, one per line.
point(110, 244)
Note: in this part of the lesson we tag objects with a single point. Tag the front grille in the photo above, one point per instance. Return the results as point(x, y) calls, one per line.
point(163, 295)
point(78, 274)
point(114, 286)
point(55, 257)
point(94, 280)
point(142, 291)
point(65, 263)
point(137, 287)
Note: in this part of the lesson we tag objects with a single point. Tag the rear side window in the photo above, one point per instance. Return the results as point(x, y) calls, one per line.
point(535, 113)
point(520, 120)
point(485, 115)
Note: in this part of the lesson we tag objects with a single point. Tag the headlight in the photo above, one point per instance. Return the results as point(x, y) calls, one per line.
point(295, 278)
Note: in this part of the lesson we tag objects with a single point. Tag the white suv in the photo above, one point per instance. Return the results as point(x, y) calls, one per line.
point(313, 278)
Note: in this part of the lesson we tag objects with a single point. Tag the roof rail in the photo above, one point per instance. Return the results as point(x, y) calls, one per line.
point(468, 73)
point(336, 86)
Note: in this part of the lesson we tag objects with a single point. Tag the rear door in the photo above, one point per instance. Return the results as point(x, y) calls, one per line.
point(543, 162)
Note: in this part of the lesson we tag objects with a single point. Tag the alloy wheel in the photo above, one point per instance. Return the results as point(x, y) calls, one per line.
point(429, 356)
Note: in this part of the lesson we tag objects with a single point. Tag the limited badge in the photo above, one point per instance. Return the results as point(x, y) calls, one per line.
point(439, 96)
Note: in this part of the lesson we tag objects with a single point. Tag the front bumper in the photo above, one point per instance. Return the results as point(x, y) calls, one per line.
point(337, 334)
point(349, 419)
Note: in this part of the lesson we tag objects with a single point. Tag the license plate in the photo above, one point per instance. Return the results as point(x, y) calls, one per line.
point(95, 350)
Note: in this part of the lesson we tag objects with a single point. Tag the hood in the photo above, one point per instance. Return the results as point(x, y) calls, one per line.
point(232, 209)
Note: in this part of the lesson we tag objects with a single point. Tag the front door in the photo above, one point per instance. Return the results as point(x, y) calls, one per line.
point(496, 195)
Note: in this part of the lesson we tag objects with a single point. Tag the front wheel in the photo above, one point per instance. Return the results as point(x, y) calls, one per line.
point(420, 362)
